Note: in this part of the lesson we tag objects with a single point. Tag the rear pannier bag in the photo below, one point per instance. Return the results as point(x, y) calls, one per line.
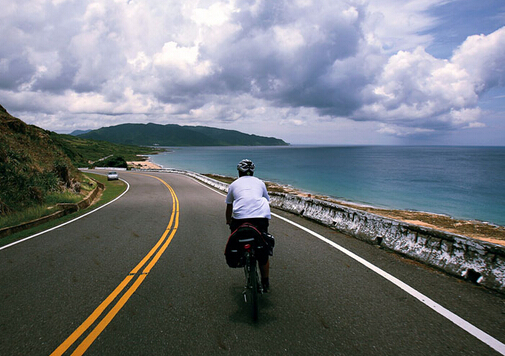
point(270, 240)
point(243, 235)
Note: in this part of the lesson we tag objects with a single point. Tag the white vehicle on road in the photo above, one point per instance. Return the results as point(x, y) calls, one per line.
point(112, 176)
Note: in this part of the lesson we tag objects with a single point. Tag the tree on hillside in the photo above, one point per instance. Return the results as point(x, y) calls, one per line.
point(114, 161)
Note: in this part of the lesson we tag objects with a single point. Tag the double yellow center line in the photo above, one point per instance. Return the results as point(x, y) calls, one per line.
point(156, 251)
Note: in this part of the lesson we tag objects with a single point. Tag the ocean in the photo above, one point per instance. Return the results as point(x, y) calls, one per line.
point(462, 182)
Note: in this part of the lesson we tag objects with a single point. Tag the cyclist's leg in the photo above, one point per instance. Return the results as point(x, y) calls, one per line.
point(234, 224)
point(265, 274)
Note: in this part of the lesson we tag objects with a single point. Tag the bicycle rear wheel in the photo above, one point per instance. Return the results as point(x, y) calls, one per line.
point(253, 286)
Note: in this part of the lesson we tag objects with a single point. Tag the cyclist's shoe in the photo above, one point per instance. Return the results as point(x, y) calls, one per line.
point(266, 284)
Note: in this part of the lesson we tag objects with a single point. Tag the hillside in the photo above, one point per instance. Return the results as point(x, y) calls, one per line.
point(35, 163)
point(31, 164)
point(176, 135)
point(81, 151)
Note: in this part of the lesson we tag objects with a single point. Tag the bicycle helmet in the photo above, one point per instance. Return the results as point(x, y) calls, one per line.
point(246, 166)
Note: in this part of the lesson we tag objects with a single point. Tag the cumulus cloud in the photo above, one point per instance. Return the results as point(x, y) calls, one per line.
point(65, 63)
point(419, 91)
point(483, 58)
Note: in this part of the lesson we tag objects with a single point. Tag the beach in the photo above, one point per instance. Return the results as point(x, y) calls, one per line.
point(143, 165)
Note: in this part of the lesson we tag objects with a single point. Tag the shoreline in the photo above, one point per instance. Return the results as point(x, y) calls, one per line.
point(360, 175)
point(471, 228)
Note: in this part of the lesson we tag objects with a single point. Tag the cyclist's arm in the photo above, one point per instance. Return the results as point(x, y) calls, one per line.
point(265, 192)
point(229, 211)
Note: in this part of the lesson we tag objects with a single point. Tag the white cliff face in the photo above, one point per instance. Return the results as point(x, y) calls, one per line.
point(478, 261)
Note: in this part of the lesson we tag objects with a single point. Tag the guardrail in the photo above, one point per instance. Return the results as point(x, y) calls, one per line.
point(110, 168)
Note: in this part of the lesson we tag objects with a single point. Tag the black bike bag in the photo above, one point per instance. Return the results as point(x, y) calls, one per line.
point(245, 234)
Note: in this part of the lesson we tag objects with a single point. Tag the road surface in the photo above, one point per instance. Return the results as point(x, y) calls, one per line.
point(146, 275)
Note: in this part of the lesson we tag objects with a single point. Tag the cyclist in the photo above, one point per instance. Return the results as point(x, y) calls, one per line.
point(248, 201)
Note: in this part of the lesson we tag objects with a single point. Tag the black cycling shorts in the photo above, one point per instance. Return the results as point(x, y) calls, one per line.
point(260, 223)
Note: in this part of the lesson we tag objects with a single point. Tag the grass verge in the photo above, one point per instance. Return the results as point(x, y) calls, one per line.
point(48, 207)
point(112, 190)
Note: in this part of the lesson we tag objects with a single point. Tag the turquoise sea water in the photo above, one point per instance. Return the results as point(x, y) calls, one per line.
point(463, 182)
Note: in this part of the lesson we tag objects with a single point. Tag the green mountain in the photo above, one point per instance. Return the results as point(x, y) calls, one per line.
point(176, 135)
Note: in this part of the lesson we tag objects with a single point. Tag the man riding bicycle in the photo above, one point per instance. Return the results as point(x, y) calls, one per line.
point(247, 201)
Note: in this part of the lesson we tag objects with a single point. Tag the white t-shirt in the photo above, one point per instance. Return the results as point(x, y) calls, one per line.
point(249, 197)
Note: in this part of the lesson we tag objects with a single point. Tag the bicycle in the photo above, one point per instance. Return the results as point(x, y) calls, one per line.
point(253, 287)
point(246, 245)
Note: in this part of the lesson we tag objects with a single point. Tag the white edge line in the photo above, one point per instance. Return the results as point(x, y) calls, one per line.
point(462, 323)
point(68, 222)
point(479, 334)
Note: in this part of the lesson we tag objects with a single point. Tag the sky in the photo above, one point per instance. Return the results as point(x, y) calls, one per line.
point(387, 72)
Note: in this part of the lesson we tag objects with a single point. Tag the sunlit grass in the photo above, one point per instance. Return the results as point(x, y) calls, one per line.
point(49, 206)
point(39, 211)
point(66, 197)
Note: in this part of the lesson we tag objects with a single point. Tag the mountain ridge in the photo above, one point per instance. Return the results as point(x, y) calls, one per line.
point(176, 135)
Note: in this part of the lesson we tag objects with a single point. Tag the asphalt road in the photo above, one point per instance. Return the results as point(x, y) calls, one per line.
point(160, 249)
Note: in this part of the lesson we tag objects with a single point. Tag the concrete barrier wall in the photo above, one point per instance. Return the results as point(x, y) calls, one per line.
point(478, 261)
point(107, 168)
point(471, 259)
point(6, 231)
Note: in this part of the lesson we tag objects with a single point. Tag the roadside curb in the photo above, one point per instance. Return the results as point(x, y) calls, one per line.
point(66, 208)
